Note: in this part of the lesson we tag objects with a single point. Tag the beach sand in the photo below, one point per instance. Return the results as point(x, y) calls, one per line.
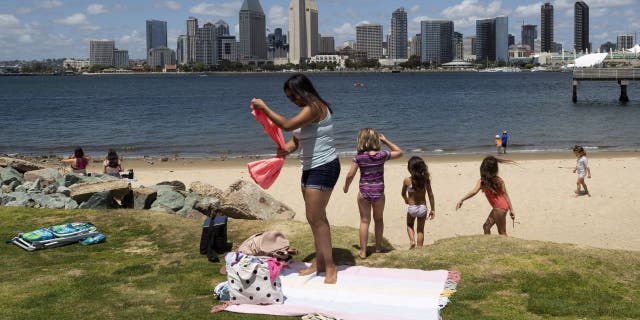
point(541, 187)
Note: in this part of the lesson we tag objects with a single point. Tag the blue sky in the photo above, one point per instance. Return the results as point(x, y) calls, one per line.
point(36, 29)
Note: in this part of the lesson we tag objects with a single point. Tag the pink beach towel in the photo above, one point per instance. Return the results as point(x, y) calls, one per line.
point(265, 172)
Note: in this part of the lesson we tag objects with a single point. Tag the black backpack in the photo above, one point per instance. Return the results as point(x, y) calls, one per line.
point(214, 238)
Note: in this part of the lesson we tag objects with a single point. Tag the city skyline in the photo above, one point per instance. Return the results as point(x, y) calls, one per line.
point(39, 29)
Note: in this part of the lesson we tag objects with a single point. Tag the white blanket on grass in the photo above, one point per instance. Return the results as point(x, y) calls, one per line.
point(361, 293)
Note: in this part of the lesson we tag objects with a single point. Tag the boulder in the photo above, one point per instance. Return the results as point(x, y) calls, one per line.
point(9, 175)
point(175, 184)
point(24, 187)
point(53, 201)
point(209, 206)
point(144, 197)
point(74, 178)
point(161, 208)
point(205, 190)
point(21, 166)
point(8, 188)
point(100, 201)
point(167, 198)
point(64, 190)
point(22, 199)
point(36, 187)
point(188, 210)
point(83, 191)
point(46, 176)
point(245, 200)
point(52, 188)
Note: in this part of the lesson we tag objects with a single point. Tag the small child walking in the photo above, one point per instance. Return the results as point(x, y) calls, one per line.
point(414, 191)
point(496, 192)
point(370, 160)
point(583, 170)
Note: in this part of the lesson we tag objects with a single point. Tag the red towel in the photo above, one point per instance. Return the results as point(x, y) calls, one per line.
point(265, 172)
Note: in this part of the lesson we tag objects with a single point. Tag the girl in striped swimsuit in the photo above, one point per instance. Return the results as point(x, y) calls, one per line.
point(370, 160)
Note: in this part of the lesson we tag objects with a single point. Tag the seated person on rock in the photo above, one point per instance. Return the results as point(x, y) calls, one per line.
point(78, 161)
point(112, 164)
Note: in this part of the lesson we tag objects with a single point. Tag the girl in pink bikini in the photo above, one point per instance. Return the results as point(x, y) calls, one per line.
point(370, 160)
point(78, 161)
point(496, 192)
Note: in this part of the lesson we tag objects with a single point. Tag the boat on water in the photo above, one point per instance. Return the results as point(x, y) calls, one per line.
point(501, 69)
point(358, 84)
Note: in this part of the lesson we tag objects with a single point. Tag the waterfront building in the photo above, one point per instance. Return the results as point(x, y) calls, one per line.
point(398, 36)
point(192, 28)
point(546, 25)
point(557, 47)
point(581, 27)
point(608, 47)
point(458, 46)
point(415, 47)
point(206, 45)
point(512, 39)
point(75, 64)
point(327, 45)
point(519, 52)
point(160, 57)
point(222, 28)
point(253, 30)
point(101, 52)
point(228, 48)
point(156, 34)
point(330, 58)
point(529, 35)
point(469, 48)
point(120, 58)
point(437, 41)
point(492, 39)
point(369, 40)
point(353, 54)
point(304, 38)
point(625, 41)
point(181, 50)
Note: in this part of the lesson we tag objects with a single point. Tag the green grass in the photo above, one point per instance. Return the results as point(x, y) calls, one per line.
point(150, 267)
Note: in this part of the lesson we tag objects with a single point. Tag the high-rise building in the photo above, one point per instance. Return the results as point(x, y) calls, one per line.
point(492, 39)
point(192, 28)
point(101, 52)
point(222, 28)
point(546, 25)
point(276, 45)
point(398, 36)
point(303, 30)
point(369, 40)
point(458, 46)
point(529, 35)
point(415, 49)
point(253, 32)
point(581, 27)
point(625, 41)
point(206, 45)
point(327, 45)
point(608, 47)
point(437, 41)
point(557, 47)
point(156, 34)
point(228, 48)
point(469, 48)
point(120, 58)
point(161, 56)
point(512, 39)
point(181, 50)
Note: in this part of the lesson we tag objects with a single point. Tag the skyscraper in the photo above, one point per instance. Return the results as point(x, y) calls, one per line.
point(222, 28)
point(529, 35)
point(458, 46)
point(398, 36)
point(492, 39)
point(181, 49)
point(625, 41)
point(303, 30)
point(581, 27)
point(369, 40)
point(327, 45)
point(416, 46)
point(253, 32)
point(101, 52)
point(206, 45)
point(437, 41)
point(192, 27)
point(546, 32)
point(156, 34)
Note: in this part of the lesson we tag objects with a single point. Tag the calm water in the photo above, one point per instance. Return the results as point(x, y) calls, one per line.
point(209, 116)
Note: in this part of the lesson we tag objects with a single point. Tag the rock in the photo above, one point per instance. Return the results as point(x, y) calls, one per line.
point(83, 191)
point(50, 189)
point(245, 200)
point(100, 201)
point(54, 201)
point(167, 198)
point(187, 210)
point(205, 190)
point(144, 197)
point(70, 179)
point(21, 166)
point(6, 198)
point(8, 188)
point(64, 190)
point(176, 185)
point(9, 174)
point(208, 206)
point(22, 199)
point(71, 204)
point(36, 187)
point(24, 187)
point(46, 176)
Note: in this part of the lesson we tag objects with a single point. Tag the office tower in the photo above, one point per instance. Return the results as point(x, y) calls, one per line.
point(398, 36)
point(161, 56)
point(581, 27)
point(437, 41)
point(327, 45)
point(192, 27)
point(101, 52)
point(181, 50)
point(512, 39)
point(313, 33)
point(557, 47)
point(156, 34)
point(276, 46)
point(469, 48)
point(253, 32)
point(303, 30)
point(369, 40)
point(608, 47)
point(529, 35)
point(625, 41)
point(222, 28)
point(120, 58)
point(546, 25)
point(458, 46)
point(492, 39)
point(228, 48)
point(206, 46)
point(415, 49)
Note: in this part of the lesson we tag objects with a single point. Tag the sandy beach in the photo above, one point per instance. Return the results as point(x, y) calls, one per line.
point(540, 185)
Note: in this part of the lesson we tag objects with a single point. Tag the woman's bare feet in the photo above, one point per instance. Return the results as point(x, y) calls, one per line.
point(412, 246)
point(362, 254)
point(311, 269)
point(331, 276)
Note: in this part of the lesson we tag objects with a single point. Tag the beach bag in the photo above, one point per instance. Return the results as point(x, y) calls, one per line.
point(265, 172)
point(269, 243)
point(213, 240)
point(250, 282)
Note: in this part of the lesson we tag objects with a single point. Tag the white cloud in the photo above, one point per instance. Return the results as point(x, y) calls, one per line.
point(419, 19)
point(96, 9)
point(49, 4)
point(73, 20)
point(345, 31)
point(171, 5)
point(8, 21)
point(120, 7)
point(227, 9)
point(467, 12)
point(532, 10)
point(415, 9)
point(278, 17)
point(24, 10)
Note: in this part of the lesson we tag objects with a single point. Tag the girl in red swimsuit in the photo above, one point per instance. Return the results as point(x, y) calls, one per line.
point(496, 192)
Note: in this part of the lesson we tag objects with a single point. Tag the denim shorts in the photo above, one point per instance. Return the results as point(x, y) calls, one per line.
point(323, 178)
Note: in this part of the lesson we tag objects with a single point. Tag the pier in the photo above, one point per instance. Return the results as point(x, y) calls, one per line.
point(623, 76)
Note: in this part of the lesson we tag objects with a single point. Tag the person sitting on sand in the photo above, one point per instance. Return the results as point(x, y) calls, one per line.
point(78, 161)
point(414, 191)
point(583, 170)
point(496, 192)
point(112, 164)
